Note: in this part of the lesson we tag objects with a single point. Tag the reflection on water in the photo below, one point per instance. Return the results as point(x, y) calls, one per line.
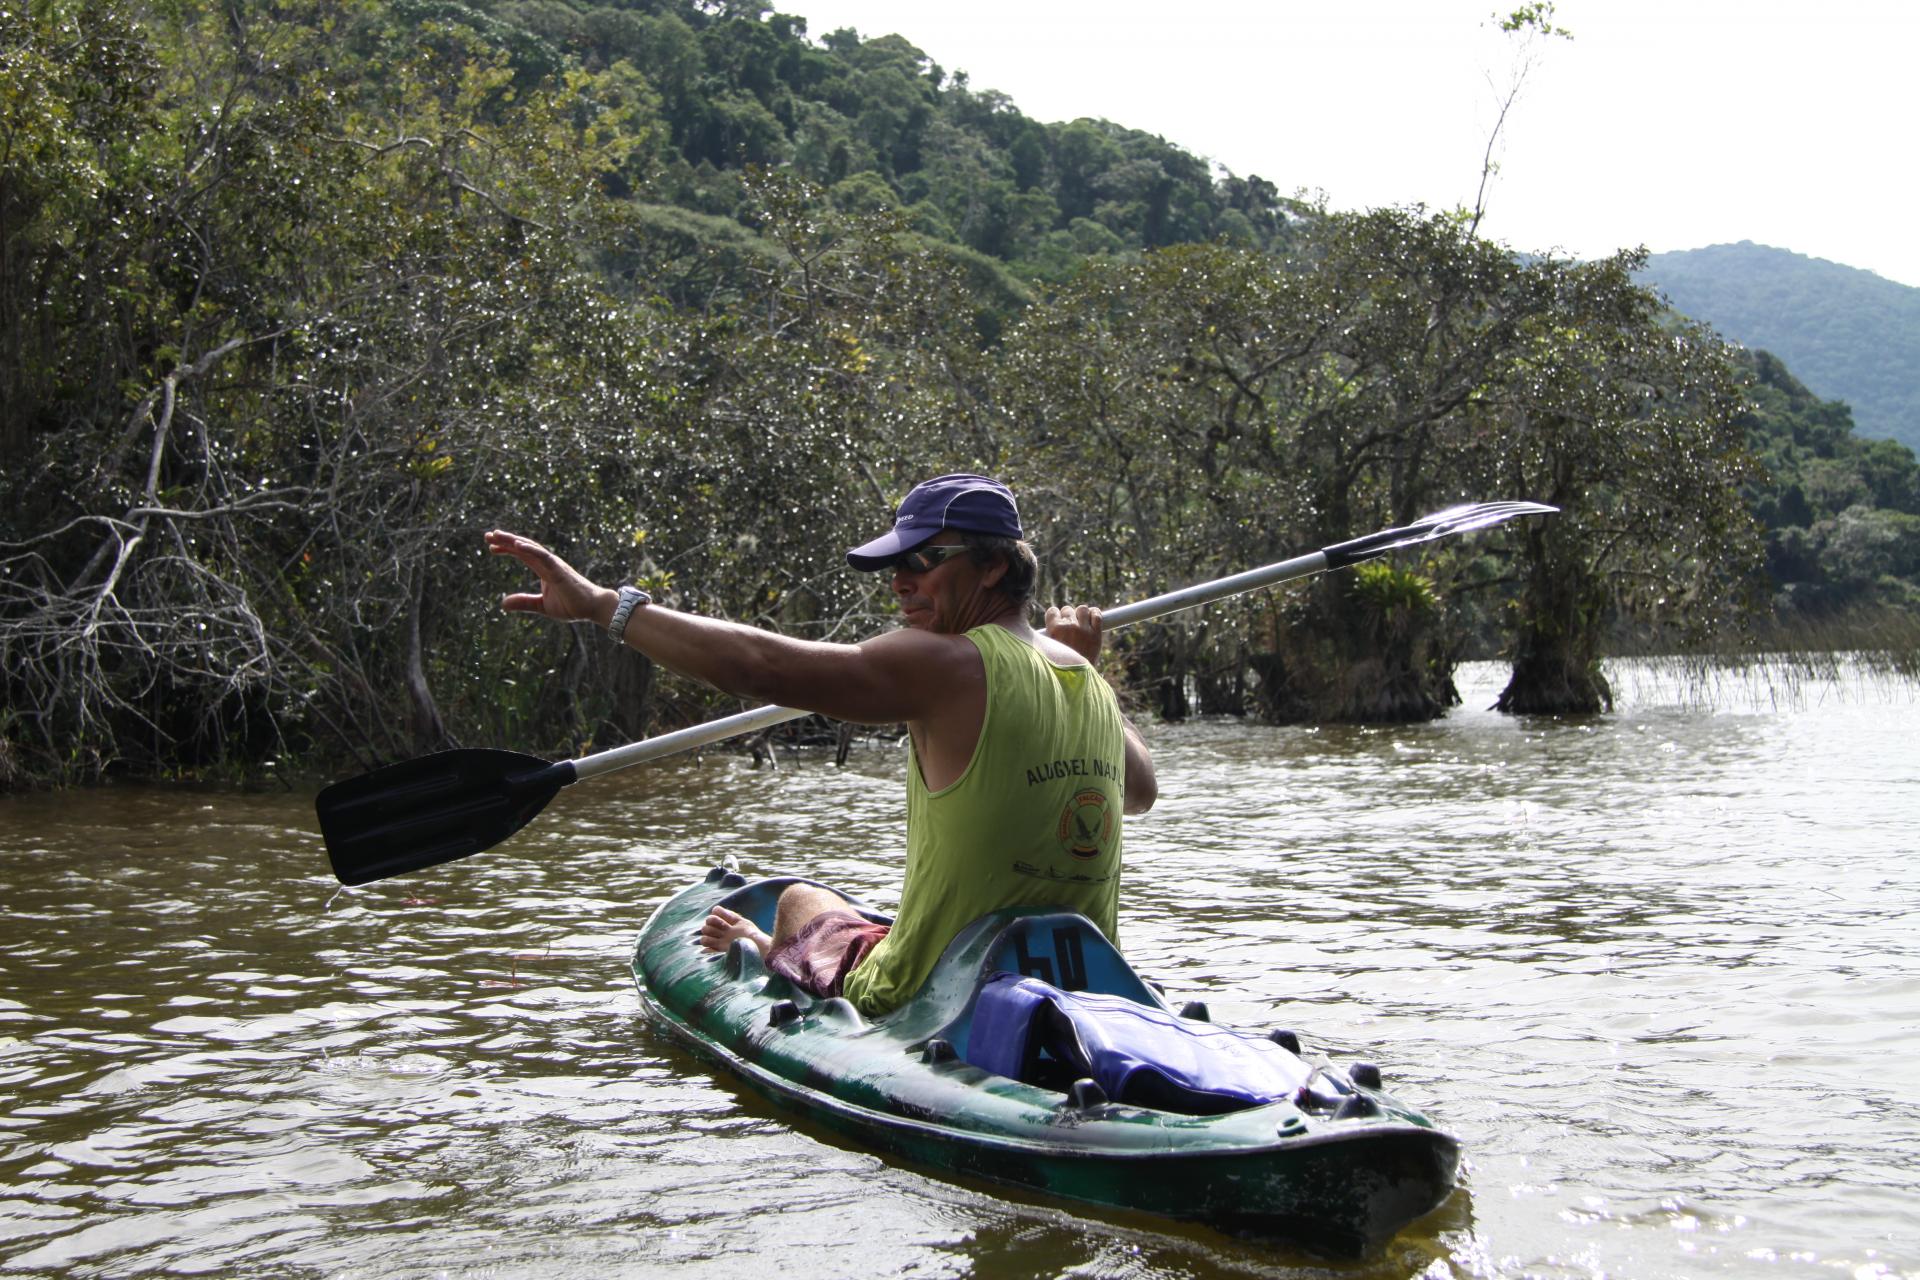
point(1657, 971)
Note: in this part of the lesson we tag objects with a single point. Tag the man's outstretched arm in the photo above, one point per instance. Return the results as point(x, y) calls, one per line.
point(891, 678)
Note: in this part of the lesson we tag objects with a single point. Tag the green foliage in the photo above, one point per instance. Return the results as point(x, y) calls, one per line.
point(1631, 427)
point(1209, 408)
point(1536, 18)
point(77, 98)
point(1395, 595)
point(735, 87)
point(302, 345)
point(1840, 512)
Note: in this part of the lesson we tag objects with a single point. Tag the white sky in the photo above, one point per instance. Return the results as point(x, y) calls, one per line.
point(1669, 123)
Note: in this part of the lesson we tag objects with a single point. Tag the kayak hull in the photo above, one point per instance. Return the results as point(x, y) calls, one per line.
point(1338, 1169)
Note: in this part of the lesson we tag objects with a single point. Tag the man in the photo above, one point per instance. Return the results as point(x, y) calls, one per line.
point(1021, 762)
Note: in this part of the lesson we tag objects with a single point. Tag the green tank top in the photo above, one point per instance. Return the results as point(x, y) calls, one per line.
point(1034, 820)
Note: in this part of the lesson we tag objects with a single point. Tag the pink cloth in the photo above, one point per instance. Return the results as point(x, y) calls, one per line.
point(819, 957)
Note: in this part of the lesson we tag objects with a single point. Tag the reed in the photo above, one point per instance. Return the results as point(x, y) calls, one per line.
point(1781, 660)
point(1882, 639)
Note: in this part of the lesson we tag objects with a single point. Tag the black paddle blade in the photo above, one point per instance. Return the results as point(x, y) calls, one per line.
point(421, 813)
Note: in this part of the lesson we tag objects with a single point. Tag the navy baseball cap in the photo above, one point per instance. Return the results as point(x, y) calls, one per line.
point(971, 504)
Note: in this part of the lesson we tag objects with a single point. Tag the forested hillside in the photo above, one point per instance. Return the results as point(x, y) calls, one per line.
point(1842, 513)
point(1848, 334)
point(295, 303)
point(706, 91)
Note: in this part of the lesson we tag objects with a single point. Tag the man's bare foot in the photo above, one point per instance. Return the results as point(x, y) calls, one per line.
point(723, 926)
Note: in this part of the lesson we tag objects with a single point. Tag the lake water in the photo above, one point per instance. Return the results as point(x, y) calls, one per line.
point(1660, 973)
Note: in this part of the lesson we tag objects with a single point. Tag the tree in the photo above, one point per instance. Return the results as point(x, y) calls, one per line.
point(1631, 427)
point(1150, 404)
point(1412, 318)
point(341, 336)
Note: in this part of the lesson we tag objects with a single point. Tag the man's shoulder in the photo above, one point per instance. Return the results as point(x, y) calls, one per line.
point(1028, 641)
point(930, 648)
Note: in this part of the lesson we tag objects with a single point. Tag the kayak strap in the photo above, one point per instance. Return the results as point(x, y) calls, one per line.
point(1140, 1055)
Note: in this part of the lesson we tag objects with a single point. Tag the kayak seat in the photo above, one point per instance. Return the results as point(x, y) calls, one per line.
point(1139, 1054)
point(1063, 949)
point(1067, 951)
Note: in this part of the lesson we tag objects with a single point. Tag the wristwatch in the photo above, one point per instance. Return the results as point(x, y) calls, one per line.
point(629, 597)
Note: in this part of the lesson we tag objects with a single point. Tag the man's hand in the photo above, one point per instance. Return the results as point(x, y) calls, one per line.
point(1078, 627)
point(565, 594)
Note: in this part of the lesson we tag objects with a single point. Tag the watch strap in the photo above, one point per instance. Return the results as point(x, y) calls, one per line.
point(630, 598)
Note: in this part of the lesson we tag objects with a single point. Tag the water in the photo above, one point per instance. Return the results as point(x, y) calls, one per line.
point(1658, 972)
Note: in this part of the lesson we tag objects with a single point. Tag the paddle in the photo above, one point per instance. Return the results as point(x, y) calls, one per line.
point(443, 807)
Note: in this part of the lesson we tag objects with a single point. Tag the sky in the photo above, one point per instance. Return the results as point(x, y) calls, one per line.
point(1672, 124)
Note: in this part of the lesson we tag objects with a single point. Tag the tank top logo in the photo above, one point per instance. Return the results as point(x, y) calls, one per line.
point(1086, 824)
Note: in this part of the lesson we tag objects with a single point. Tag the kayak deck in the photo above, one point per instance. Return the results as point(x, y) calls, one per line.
point(1339, 1167)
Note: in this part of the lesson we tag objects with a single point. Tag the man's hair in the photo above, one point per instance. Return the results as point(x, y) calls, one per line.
point(1023, 567)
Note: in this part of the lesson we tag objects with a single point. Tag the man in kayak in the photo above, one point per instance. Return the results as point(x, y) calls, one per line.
point(1021, 762)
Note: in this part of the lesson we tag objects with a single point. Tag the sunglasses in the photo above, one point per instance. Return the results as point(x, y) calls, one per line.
point(926, 559)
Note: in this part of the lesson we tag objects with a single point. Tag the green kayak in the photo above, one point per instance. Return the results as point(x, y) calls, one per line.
point(1337, 1166)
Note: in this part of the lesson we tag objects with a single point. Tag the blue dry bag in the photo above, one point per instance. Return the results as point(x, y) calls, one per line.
point(1140, 1055)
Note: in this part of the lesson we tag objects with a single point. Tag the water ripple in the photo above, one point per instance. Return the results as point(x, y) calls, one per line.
point(1656, 970)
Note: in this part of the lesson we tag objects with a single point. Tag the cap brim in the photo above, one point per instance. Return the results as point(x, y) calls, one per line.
point(870, 557)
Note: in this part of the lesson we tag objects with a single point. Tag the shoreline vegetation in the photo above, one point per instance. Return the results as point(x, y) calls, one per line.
point(295, 303)
point(1880, 645)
